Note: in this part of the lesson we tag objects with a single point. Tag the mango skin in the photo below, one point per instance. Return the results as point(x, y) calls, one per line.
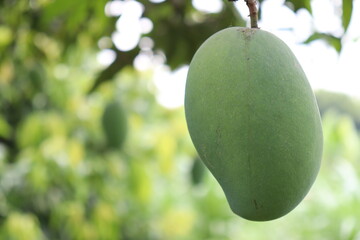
point(254, 121)
point(114, 123)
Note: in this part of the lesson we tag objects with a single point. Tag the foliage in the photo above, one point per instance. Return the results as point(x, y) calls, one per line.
point(339, 103)
point(58, 178)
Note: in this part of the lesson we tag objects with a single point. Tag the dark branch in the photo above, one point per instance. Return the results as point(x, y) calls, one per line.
point(122, 60)
point(8, 142)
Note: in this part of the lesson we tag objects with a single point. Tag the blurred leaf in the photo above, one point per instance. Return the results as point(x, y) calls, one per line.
point(38, 178)
point(106, 221)
point(76, 152)
point(6, 72)
point(5, 128)
point(38, 127)
point(140, 182)
point(174, 25)
point(166, 150)
point(6, 36)
point(31, 131)
point(340, 103)
point(341, 138)
point(176, 223)
point(298, 4)
point(70, 216)
point(347, 7)
point(20, 226)
point(328, 38)
point(72, 13)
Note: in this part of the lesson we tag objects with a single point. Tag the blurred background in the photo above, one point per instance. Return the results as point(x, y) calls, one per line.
point(93, 138)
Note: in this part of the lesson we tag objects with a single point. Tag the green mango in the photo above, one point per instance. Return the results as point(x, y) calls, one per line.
point(114, 123)
point(254, 121)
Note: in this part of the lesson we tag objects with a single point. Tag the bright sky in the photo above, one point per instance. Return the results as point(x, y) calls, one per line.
point(324, 68)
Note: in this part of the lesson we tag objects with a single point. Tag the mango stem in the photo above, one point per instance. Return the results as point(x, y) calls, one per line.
point(253, 12)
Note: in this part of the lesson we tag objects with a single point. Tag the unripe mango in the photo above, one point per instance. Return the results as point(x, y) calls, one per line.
point(197, 171)
point(254, 121)
point(114, 124)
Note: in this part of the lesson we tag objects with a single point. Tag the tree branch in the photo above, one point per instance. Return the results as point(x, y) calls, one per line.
point(8, 142)
point(122, 60)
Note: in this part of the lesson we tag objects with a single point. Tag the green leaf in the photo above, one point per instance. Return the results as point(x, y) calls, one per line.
point(347, 6)
point(298, 4)
point(330, 39)
point(56, 9)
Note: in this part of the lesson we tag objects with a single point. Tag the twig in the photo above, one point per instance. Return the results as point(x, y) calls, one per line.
point(253, 12)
